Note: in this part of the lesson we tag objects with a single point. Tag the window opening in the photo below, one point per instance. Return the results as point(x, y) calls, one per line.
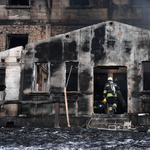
point(101, 75)
point(41, 76)
point(2, 79)
point(73, 80)
point(146, 75)
point(2, 84)
point(14, 40)
point(19, 2)
point(79, 2)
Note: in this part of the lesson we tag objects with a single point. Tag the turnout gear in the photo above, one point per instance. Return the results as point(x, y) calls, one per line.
point(111, 94)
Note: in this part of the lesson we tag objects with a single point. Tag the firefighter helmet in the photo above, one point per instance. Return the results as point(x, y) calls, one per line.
point(110, 79)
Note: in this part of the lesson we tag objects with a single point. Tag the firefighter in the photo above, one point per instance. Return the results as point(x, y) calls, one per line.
point(111, 95)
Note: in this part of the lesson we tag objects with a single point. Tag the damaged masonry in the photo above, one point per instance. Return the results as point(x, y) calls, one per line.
point(32, 80)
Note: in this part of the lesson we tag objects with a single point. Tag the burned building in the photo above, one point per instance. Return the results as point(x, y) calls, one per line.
point(45, 43)
point(35, 77)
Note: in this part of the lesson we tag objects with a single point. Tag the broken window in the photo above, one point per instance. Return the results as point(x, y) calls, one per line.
point(146, 75)
point(72, 76)
point(14, 40)
point(2, 83)
point(41, 76)
point(19, 2)
point(79, 2)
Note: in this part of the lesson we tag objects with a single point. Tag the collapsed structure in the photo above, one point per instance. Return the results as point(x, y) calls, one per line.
point(32, 80)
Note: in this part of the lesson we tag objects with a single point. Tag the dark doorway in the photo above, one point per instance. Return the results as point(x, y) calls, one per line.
point(14, 40)
point(101, 75)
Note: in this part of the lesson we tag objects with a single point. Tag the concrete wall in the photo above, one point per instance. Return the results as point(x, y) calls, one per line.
point(12, 66)
point(104, 44)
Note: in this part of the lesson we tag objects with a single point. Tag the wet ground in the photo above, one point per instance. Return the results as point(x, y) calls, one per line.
point(26, 138)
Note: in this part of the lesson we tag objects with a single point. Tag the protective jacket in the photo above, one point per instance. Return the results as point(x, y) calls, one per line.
point(110, 90)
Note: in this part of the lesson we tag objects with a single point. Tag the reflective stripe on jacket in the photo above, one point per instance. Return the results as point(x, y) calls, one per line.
point(108, 92)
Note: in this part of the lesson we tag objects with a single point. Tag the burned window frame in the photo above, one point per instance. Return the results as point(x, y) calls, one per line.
point(10, 3)
point(34, 86)
point(75, 70)
point(79, 2)
point(10, 36)
point(144, 81)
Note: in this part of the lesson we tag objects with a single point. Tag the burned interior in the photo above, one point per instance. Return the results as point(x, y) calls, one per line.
point(19, 2)
point(101, 74)
point(14, 40)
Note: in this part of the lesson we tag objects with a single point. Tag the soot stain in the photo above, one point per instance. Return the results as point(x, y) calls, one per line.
point(128, 46)
point(85, 78)
point(55, 51)
point(97, 43)
point(137, 80)
point(111, 41)
point(111, 44)
point(54, 68)
point(51, 51)
point(42, 50)
point(143, 44)
point(56, 89)
point(82, 104)
point(70, 52)
point(27, 81)
point(85, 47)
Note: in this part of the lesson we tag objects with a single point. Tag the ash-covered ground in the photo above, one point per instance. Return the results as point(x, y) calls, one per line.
point(74, 138)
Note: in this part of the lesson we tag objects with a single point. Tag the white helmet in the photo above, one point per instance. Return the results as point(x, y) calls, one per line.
point(110, 79)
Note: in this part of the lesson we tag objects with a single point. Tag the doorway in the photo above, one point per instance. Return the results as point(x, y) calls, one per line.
point(101, 74)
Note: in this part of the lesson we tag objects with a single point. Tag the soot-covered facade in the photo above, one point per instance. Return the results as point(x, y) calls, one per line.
point(36, 76)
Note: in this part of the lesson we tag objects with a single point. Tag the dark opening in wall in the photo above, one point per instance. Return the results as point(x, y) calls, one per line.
point(73, 79)
point(2, 79)
point(146, 75)
point(19, 2)
point(2, 60)
point(79, 2)
point(101, 74)
point(14, 40)
point(41, 76)
point(10, 124)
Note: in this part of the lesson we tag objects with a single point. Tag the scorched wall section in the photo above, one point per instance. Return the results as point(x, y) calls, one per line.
point(106, 44)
